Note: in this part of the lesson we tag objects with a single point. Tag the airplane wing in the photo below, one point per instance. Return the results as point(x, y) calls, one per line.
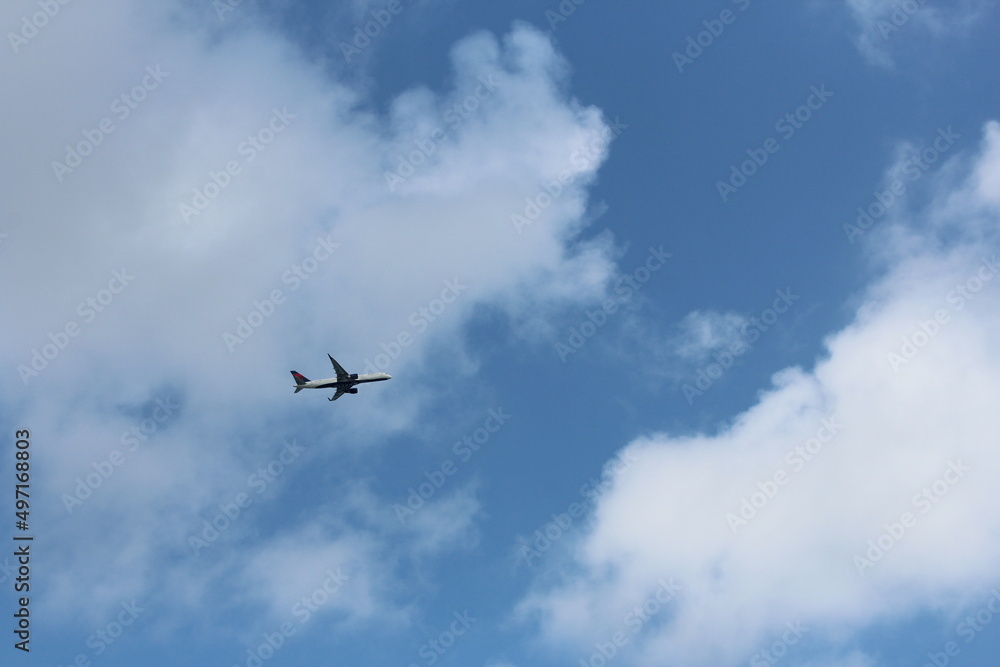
point(340, 392)
point(341, 373)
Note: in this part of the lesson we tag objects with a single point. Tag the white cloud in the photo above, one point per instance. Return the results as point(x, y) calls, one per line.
point(448, 522)
point(703, 332)
point(854, 659)
point(912, 433)
point(987, 174)
point(882, 22)
point(348, 569)
point(310, 171)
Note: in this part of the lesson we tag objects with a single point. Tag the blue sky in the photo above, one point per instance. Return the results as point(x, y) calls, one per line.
point(657, 397)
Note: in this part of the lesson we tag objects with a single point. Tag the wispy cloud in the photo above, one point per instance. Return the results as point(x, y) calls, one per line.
point(884, 24)
point(703, 332)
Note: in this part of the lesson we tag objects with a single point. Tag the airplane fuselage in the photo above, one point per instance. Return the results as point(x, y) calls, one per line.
point(345, 384)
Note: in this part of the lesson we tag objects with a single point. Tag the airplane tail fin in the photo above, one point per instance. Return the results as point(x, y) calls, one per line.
point(300, 379)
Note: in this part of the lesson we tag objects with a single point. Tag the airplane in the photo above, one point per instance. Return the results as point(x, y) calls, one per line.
point(343, 383)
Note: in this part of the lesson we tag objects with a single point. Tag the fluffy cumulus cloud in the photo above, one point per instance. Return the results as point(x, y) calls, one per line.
point(192, 211)
point(851, 493)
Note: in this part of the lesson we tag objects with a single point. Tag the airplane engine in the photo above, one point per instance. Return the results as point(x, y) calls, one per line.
point(354, 376)
point(352, 390)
